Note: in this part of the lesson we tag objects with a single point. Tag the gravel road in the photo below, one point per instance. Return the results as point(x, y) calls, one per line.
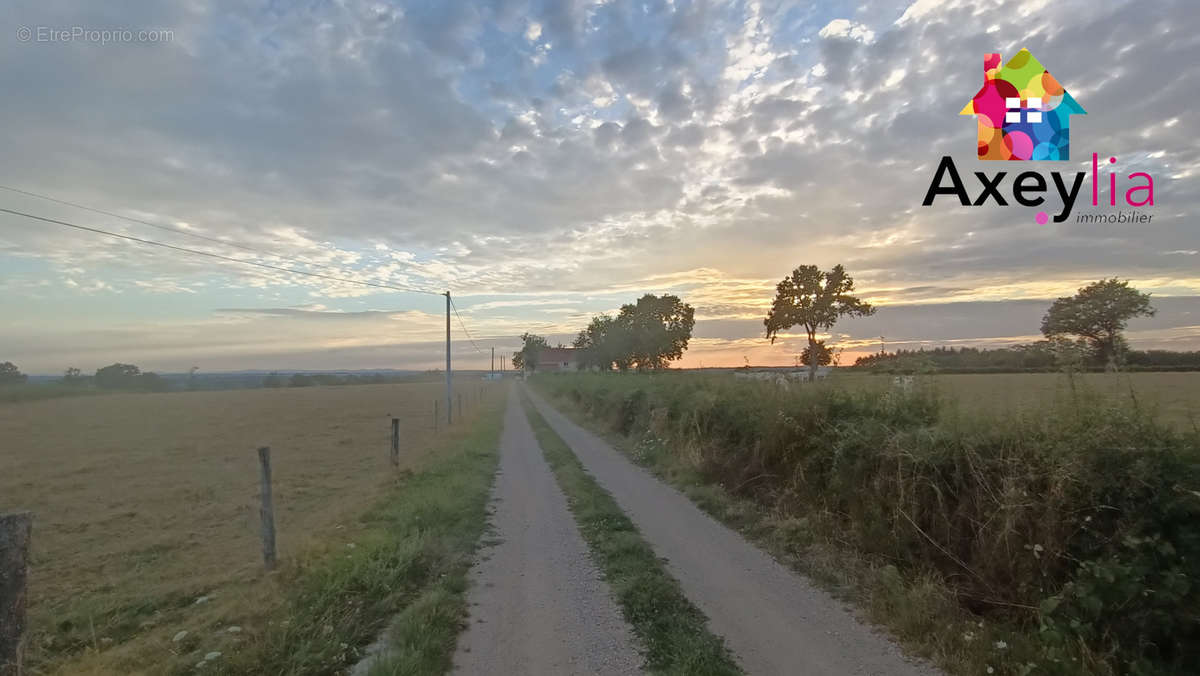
point(775, 621)
point(537, 602)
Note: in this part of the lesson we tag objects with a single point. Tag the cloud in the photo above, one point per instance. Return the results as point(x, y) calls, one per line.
point(533, 31)
point(846, 29)
point(584, 151)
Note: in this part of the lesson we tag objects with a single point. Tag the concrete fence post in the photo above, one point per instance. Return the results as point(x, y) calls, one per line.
point(268, 508)
point(15, 531)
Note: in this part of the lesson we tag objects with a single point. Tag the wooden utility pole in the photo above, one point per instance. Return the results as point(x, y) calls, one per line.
point(15, 530)
point(449, 399)
point(267, 512)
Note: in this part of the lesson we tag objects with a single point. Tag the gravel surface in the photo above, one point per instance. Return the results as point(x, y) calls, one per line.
point(537, 603)
point(774, 620)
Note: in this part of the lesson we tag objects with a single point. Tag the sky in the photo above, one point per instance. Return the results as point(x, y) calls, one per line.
point(550, 161)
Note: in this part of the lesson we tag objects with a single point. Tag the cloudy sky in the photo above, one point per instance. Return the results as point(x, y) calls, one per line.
point(549, 160)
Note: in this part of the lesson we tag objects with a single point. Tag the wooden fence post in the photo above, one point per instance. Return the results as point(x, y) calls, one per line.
point(460, 405)
point(395, 442)
point(435, 416)
point(15, 530)
point(268, 509)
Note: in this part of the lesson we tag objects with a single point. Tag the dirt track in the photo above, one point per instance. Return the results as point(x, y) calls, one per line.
point(537, 603)
point(775, 621)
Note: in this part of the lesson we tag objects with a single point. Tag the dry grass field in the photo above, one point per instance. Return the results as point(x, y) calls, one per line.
point(146, 507)
point(1174, 397)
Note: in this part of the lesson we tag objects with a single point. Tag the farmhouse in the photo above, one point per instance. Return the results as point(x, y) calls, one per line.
point(551, 359)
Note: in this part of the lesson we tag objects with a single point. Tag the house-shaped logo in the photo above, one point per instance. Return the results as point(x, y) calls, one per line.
point(1023, 112)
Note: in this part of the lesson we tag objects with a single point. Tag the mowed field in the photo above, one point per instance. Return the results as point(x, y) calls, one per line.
point(146, 505)
point(1174, 397)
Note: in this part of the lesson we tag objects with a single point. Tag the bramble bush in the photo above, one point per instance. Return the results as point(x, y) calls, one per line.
point(1082, 523)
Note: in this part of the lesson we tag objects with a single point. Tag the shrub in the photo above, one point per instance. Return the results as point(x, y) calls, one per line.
point(10, 374)
point(129, 377)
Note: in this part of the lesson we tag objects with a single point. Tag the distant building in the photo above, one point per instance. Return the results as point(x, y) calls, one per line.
point(552, 359)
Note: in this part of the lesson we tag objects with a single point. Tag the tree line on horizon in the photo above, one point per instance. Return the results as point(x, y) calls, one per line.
point(1083, 330)
point(1039, 356)
point(129, 377)
point(112, 377)
point(651, 333)
point(646, 335)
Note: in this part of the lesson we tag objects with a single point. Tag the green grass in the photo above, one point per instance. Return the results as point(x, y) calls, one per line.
point(1054, 541)
point(407, 573)
point(674, 632)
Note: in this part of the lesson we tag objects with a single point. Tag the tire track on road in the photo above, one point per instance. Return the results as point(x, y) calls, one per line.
point(537, 602)
point(774, 620)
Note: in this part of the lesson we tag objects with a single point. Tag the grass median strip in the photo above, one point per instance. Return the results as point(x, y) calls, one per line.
point(408, 566)
point(674, 631)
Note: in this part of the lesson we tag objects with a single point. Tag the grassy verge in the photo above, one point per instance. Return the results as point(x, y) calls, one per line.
point(674, 631)
point(1048, 543)
point(921, 613)
point(408, 566)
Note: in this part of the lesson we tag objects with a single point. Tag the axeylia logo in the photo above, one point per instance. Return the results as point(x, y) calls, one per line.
point(1023, 113)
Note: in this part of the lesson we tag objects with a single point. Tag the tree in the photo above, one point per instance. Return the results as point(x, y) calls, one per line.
point(272, 380)
point(11, 375)
point(814, 299)
point(152, 382)
point(72, 375)
point(603, 343)
point(527, 358)
point(118, 377)
point(1098, 314)
point(657, 330)
point(129, 377)
point(824, 354)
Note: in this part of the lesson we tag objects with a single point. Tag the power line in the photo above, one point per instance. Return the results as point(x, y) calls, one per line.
point(206, 238)
point(159, 226)
point(230, 259)
point(167, 228)
point(464, 326)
